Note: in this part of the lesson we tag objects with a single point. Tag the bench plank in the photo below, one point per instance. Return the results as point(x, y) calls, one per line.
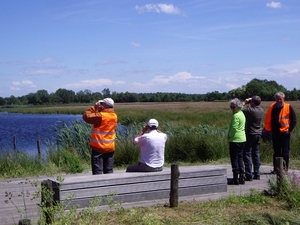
point(135, 187)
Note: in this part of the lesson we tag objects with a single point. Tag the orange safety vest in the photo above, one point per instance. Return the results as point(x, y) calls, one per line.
point(103, 136)
point(284, 118)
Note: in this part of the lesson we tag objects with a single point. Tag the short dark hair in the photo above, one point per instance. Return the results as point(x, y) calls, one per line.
point(256, 99)
point(152, 127)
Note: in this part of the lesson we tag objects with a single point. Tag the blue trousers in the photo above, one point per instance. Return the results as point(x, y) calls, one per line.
point(252, 156)
point(102, 162)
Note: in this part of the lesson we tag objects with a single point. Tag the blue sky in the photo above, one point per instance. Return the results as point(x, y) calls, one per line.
point(190, 46)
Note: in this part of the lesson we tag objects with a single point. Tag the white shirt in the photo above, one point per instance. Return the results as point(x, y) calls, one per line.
point(152, 146)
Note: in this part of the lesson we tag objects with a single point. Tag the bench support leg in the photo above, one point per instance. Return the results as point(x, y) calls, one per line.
point(174, 185)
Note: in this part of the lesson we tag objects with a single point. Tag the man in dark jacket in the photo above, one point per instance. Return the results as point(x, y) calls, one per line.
point(254, 116)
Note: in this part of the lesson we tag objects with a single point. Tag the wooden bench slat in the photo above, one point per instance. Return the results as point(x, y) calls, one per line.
point(134, 187)
point(139, 187)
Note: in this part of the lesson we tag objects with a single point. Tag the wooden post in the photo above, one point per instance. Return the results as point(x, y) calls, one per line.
point(174, 185)
point(39, 150)
point(279, 172)
point(15, 142)
point(47, 200)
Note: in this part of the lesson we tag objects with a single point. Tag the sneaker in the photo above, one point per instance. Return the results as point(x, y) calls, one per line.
point(256, 177)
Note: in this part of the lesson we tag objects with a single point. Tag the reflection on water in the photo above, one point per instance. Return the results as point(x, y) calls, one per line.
point(28, 128)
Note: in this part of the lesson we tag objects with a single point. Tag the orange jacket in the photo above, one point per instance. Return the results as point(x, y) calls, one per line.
point(103, 133)
point(284, 118)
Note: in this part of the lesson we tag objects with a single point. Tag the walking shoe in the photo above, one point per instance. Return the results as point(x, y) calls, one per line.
point(256, 177)
point(233, 182)
point(249, 179)
point(242, 178)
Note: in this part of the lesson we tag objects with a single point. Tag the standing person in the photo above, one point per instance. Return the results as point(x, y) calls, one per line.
point(152, 149)
point(280, 120)
point(254, 115)
point(237, 138)
point(102, 142)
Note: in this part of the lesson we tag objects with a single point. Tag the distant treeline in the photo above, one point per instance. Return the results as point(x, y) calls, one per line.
point(264, 88)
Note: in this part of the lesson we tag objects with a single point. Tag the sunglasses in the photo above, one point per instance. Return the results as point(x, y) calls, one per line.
point(232, 107)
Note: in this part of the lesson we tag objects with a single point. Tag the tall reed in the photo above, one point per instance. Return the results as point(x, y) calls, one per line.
point(196, 133)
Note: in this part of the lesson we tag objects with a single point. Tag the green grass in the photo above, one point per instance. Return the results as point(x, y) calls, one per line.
point(196, 136)
point(253, 208)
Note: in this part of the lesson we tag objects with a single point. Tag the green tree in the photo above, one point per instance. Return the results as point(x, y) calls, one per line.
point(34, 99)
point(292, 95)
point(264, 88)
point(23, 100)
point(65, 96)
point(12, 100)
point(2, 101)
point(106, 93)
point(239, 92)
point(84, 96)
point(43, 96)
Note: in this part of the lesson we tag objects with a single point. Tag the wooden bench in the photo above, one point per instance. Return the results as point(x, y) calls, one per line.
point(136, 187)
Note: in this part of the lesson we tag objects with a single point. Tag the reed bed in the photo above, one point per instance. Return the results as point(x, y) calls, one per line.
point(196, 135)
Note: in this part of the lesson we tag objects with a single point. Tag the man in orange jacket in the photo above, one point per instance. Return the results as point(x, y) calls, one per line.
point(280, 120)
point(102, 142)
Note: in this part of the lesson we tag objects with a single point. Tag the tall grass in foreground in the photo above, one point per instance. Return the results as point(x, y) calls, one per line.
point(277, 205)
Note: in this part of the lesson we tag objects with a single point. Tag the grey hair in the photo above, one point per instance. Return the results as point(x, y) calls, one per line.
point(279, 94)
point(236, 102)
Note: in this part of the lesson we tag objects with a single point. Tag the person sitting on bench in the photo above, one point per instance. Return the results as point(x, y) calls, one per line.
point(152, 149)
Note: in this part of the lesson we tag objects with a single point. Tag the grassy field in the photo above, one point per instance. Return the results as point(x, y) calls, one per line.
point(197, 128)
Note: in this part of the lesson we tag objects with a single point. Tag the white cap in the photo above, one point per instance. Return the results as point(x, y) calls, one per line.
point(108, 101)
point(153, 123)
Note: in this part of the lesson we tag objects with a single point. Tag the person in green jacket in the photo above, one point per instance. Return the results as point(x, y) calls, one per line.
point(237, 139)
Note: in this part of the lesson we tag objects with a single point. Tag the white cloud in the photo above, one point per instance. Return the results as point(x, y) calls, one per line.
point(159, 8)
point(18, 85)
point(178, 78)
point(274, 5)
point(110, 62)
point(44, 70)
point(46, 60)
point(92, 84)
point(135, 44)
point(184, 77)
point(22, 83)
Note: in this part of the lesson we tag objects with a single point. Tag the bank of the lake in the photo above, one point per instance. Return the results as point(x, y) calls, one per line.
point(29, 128)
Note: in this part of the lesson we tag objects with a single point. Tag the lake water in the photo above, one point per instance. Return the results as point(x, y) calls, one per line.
point(28, 128)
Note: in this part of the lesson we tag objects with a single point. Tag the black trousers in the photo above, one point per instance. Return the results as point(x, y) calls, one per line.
point(102, 162)
point(236, 157)
point(281, 148)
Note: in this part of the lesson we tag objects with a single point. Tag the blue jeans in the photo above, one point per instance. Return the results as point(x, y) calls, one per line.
point(102, 162)
point(236, 157)
point(252, 155)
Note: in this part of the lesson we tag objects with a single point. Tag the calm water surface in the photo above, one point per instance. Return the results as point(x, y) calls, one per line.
point(28, 128)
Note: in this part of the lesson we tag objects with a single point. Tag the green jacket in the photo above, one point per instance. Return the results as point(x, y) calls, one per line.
point(236, 132)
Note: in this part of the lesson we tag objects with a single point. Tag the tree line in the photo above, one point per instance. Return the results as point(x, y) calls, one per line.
point(264, 88)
